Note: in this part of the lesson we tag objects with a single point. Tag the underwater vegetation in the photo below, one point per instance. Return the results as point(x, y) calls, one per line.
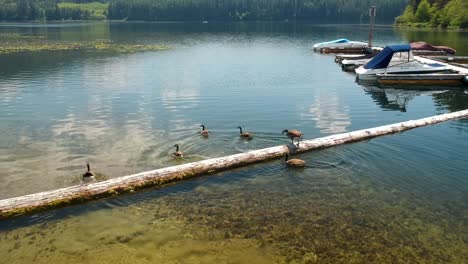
point(329, 219)
point(16, 36)
point(14, 43)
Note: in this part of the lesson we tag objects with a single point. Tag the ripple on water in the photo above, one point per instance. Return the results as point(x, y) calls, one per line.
point(268, 212)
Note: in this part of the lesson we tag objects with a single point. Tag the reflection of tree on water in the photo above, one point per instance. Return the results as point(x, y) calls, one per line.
point(398, 99)
point(449, 38)
point(389, 99)
point(454, 100)
point(47, 61)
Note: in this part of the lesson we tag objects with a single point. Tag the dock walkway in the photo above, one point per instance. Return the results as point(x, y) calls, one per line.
point(459, 69)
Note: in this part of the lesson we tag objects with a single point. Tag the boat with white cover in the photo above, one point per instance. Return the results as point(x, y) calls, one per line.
point(397, 59)
point(340, 44)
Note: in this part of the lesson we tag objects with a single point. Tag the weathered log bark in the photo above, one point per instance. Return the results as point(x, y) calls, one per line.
point(78, 194)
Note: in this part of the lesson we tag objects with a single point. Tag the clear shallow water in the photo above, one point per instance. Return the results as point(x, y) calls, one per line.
point(397, 198)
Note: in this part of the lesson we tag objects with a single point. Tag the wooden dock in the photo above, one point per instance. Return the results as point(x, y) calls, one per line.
point(345, 50)
point(340, 57)
point(449, 59)
point(457, 68)
point(421, 79)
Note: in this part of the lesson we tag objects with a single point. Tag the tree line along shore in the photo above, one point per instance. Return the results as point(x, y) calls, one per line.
point(418, 13)
point(331, 11)
point(435, 13)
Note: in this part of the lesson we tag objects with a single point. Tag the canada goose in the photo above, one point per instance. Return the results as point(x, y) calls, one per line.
point(245, 135)
point(204, 132)
point(177, 153)
point(294, 162)
point(89, 176)
point(292, 134)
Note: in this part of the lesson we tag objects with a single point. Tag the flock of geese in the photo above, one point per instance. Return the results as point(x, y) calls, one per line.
point(90, 176)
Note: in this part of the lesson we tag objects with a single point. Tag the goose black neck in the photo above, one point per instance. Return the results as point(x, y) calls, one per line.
point(203, 127)
point(284, 131)
point(89, 168)
point(240, 128)
point(177, 147)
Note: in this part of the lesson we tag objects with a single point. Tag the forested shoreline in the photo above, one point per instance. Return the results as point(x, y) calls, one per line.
point(238, 10)
point(49, 10)
point(435, 13)
point(330, 11)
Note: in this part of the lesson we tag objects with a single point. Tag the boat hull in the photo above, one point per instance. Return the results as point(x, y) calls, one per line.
point(371, 74)
point(352, 45)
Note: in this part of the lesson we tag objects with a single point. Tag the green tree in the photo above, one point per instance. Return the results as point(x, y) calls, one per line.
point(442, 13)
point(435, 15)
point(23, 9)
point(423, 13)
point(407, 17)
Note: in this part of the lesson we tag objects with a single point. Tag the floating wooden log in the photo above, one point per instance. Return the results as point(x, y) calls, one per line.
point(78, 194)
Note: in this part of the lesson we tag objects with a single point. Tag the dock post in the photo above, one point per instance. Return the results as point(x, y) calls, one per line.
point(372, 12)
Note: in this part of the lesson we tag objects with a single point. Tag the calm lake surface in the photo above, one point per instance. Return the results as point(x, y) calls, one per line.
point(396, 199)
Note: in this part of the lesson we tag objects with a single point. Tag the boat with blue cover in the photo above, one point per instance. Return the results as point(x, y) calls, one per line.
point(397, 59)
point(340, 44)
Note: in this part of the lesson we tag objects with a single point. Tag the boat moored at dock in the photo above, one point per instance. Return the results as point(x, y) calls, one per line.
point(341, 45)
point(424, 48)
point(397, 59)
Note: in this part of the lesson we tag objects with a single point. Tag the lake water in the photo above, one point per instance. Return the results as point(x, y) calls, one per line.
point(397, 199)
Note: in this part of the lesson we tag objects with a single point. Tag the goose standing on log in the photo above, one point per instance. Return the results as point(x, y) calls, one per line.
point(292, 134)
point(294, 162)
point(245, 135)
point(177, 153)
point(204, 132)
point(89, 176)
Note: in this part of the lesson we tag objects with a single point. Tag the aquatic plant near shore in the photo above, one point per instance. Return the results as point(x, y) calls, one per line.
point(16, 36)
point(108, 46)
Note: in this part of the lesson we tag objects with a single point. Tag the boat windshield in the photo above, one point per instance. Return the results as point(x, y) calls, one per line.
point(383, 59)
point(335, 41)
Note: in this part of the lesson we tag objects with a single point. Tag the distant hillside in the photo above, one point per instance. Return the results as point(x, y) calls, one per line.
point(435, 13)
point(41, 10)
point(329, 11)
point(334, 11)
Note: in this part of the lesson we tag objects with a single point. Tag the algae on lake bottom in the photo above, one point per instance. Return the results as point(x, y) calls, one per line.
point(17, 45)
point(263, 219)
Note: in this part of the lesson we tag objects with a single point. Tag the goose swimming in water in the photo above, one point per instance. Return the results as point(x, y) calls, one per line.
point(294, 162)
point(89, 176)
point(177, 153)
point(204, 132)
point(292, 134)
point(245, 135)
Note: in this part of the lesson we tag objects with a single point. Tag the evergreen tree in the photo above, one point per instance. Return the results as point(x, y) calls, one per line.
point(407, 17)
point(333, 11)
point(423, 14)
